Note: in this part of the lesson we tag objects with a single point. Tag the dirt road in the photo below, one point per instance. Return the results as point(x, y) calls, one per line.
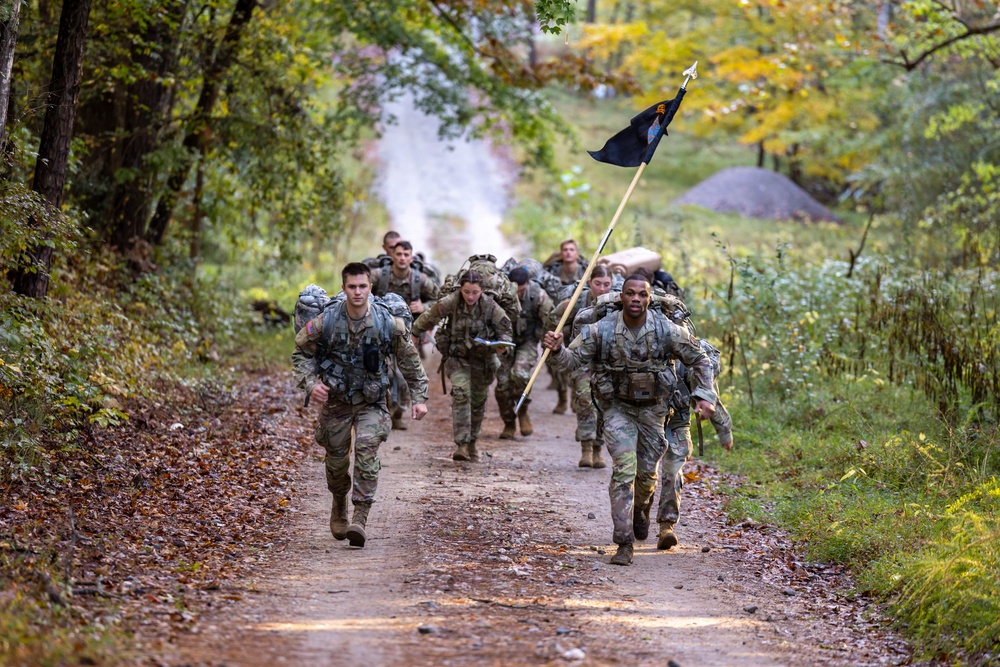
point(499, 563)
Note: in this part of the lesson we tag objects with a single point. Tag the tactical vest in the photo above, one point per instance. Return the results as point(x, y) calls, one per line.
point(528, 323)
point(634, 382)
point(356, 371)
point(455, 338)
point(416, 279)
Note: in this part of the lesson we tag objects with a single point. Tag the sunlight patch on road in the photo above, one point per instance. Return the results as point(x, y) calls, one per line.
point(339, 625)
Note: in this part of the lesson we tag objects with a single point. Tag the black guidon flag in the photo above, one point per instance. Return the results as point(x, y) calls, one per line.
point(637, 142)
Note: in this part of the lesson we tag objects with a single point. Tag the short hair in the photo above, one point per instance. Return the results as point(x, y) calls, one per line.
point(356, 269)
point(637, 276)
point(519, 275)
point(405, 245)
point(599, 271)
point(573, 241)
point(389, 236)
point(470, 276)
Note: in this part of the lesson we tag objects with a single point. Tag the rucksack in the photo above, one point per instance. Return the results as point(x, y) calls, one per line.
point(670, 306)
point(425, 267)
point(314, 300)
point(537, 273)
point(495, 283)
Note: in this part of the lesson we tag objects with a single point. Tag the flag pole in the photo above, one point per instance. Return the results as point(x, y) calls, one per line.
point(690, 73)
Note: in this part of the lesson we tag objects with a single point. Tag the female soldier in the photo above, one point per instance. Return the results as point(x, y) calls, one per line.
point(470, 365)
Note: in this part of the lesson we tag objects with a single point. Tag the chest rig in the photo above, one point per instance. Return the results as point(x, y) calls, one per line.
point(354, 365)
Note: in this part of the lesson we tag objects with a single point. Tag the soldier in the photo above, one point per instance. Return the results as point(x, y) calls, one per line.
point(415, 287)
point(419, 292)
point(578, 381)
point(679, 447)
point(515, 369)
point(569, 268)
point(470, 365)
point(631, 356)
point(385, 259)
point(341, 360)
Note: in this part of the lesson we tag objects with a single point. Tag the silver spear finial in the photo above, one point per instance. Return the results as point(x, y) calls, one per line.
point(690, 73)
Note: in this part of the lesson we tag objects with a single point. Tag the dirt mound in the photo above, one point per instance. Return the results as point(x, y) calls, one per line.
point(756, 193)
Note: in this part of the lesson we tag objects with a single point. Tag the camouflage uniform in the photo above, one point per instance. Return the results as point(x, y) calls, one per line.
point(470, 366)
point(627, 364)
point(415, 285)
point(556, 269)
point(577, 381)
point(515, 370)
point(678, 433)
point(357, 397)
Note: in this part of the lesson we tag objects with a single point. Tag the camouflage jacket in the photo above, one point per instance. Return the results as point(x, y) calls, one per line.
point(414, 286)
point(331, 349)
point(586, 300)
point(616, 354)
point(536, 307)
point(556, 269)
point(485, 320)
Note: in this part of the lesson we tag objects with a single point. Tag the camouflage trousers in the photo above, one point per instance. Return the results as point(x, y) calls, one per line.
point(679, 449)
point(470, 387)
point(677, 453)
point(512, 378)
point(635, 441)
point(583, 405)
point(370, 424)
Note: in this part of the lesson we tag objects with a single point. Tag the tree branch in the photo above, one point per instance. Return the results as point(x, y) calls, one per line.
point(910, 65)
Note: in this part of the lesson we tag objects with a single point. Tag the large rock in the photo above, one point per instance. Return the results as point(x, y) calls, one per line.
point(756, 193)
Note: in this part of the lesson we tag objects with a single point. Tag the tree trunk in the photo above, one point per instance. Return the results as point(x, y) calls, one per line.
point(9, 17)
point(57, 133)
point(761, 155)
point(591, 11)
point(196, 139)
point(145, 110)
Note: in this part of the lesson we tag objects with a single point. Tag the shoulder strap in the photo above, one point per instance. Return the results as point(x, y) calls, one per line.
point(606, 332)
point(415, 278)
point(383, 280)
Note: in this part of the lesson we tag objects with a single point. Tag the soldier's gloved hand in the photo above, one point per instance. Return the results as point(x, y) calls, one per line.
point(320, 393)
point(419, 410)
point(704, 409)
point(552, 340)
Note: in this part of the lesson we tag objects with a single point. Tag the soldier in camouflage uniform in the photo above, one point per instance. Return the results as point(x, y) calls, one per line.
point(471, 366)
point(570, 267)
point(341, 360)
point(679, 446)
point(578, 381)
point(631, 356)
point(515, 369)
point(419, 292)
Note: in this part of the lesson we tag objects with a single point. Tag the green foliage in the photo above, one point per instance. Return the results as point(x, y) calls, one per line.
point(38, 626)
point(947, 594)
point(554, 15)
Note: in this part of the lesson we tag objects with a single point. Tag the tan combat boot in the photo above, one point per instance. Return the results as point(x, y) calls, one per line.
point(597, 461)
point(338, 517)
point(356, 533)
point(461, 453)
point(561, 406)
point(473, 452)
point(508, 430)
point(623, 556)
point(666, 537)
point(525, 421)
point(586, 454)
